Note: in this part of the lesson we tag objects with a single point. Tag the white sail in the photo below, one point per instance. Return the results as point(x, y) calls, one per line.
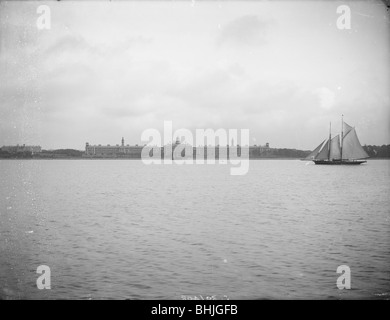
point(346, 129)
point(313, 154)
point(335, 152)
point(352, 148)
point(324, 153)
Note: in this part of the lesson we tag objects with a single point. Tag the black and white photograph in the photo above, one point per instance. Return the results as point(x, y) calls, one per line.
point(201, 150)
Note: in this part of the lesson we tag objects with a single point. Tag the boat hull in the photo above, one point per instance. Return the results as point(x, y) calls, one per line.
point(339, 162)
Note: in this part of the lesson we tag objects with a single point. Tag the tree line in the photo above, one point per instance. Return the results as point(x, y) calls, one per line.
point(382, 151)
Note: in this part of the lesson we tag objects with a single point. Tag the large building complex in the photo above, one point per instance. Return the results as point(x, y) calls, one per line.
point(127, 151)
point(115, 151)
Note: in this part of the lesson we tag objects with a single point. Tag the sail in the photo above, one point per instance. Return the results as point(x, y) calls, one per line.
point(352, 148)
point(335, 152)
point(346, 129)
point(323, 154)
point(313, 154)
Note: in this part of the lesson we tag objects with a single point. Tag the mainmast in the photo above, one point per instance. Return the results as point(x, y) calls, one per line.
point(342, 137)
point(330, 138)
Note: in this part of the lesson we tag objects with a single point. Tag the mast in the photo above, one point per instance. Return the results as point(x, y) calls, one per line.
point(330, 138)
point(342, 137)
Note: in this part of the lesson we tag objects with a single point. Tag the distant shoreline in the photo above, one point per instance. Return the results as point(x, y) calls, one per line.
point(135, 159)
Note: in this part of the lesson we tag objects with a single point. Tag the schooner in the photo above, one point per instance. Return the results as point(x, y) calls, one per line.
point(344, 148)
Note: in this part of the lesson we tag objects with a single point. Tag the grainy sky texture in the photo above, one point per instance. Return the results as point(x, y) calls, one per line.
point(105, 70)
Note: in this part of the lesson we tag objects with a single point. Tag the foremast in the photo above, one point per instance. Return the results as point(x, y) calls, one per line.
point(342, 137)
point(330, 139)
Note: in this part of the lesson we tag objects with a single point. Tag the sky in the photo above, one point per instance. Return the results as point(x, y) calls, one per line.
point(107, 70)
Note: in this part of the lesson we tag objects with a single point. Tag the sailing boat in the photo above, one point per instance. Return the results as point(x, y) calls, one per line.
point(341, 149)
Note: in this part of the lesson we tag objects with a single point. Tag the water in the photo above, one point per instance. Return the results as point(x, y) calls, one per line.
point(123, 230)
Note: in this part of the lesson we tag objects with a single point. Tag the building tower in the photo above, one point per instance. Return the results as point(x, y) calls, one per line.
point(123, 142)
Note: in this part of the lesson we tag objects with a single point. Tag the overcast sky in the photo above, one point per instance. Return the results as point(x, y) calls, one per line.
point(105, 70)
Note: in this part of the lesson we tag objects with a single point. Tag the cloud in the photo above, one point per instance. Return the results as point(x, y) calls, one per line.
point(326, 96)
point(246, 30)
point(68, 42)
point(98, 78)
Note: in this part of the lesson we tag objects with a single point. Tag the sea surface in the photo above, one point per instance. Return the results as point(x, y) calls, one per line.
point(120, 229)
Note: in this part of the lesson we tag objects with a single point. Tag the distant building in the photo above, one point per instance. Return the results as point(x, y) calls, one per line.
point(127, 151)
point(21, 149)
point(113, 151)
